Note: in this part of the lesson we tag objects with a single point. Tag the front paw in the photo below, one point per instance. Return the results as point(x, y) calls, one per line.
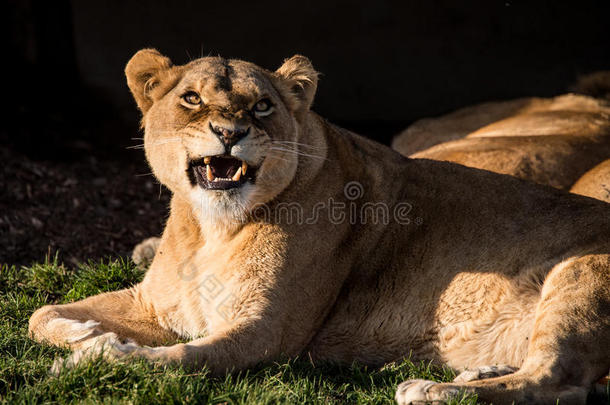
point(425, 392)
point(107, 346)
point(71, 332)
point(110, 348)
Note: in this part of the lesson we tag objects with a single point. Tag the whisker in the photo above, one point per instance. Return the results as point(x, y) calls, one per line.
point(164, 131)
point(163, 142)
point(299, 144)
point(299, 153)
point(279, 158)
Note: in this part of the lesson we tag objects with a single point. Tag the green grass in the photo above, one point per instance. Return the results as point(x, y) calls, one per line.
point(24, 364)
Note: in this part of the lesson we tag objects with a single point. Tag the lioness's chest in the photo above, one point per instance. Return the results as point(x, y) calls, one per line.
point(209, 294)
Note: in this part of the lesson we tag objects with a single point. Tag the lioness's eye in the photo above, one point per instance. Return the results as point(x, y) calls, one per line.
point(192, 98)
point(263, 107)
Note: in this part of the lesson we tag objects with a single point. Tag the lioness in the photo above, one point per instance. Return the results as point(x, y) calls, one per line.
point(550, 141)
point(461, 266)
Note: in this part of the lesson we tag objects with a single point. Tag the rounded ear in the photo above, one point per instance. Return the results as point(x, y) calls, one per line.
point(144, 72)
point(300, 81)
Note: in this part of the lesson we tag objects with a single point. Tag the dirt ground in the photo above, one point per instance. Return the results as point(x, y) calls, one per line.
point(86, 209)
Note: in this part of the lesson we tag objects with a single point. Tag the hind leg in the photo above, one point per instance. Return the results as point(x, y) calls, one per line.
point(568, 349)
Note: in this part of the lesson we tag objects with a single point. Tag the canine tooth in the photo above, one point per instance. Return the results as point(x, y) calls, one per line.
point(207, 160)
point(244, 167)
point(237, 175)
point(208, 172)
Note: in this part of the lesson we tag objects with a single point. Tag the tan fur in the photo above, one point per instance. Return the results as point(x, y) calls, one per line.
point(549, 141)
point(595, 183)
point(478, 269)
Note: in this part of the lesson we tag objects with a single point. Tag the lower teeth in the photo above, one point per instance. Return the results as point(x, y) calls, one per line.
point(207, 172)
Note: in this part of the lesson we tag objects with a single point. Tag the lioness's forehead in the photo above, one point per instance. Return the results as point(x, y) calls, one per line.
point(215, 77)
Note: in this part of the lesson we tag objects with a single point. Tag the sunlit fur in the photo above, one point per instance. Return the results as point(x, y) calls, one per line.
point(486, 270)
point(552, 141)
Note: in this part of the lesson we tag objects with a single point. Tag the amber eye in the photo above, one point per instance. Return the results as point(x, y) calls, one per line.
point(192, 98)
point(263, 107)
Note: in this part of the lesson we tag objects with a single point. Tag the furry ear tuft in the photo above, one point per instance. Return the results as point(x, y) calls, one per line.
point(144, 71)
point(301, 80)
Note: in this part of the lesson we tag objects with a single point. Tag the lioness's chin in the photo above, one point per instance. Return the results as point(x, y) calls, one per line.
point(227, 207)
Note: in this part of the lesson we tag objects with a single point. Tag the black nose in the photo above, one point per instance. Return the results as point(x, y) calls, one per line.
point(229, 137)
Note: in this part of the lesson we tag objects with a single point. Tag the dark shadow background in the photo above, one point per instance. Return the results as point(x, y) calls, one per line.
point(67, 109)
point(384, 63)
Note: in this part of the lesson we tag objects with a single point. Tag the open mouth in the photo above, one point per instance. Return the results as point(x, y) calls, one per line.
point(221, 172)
